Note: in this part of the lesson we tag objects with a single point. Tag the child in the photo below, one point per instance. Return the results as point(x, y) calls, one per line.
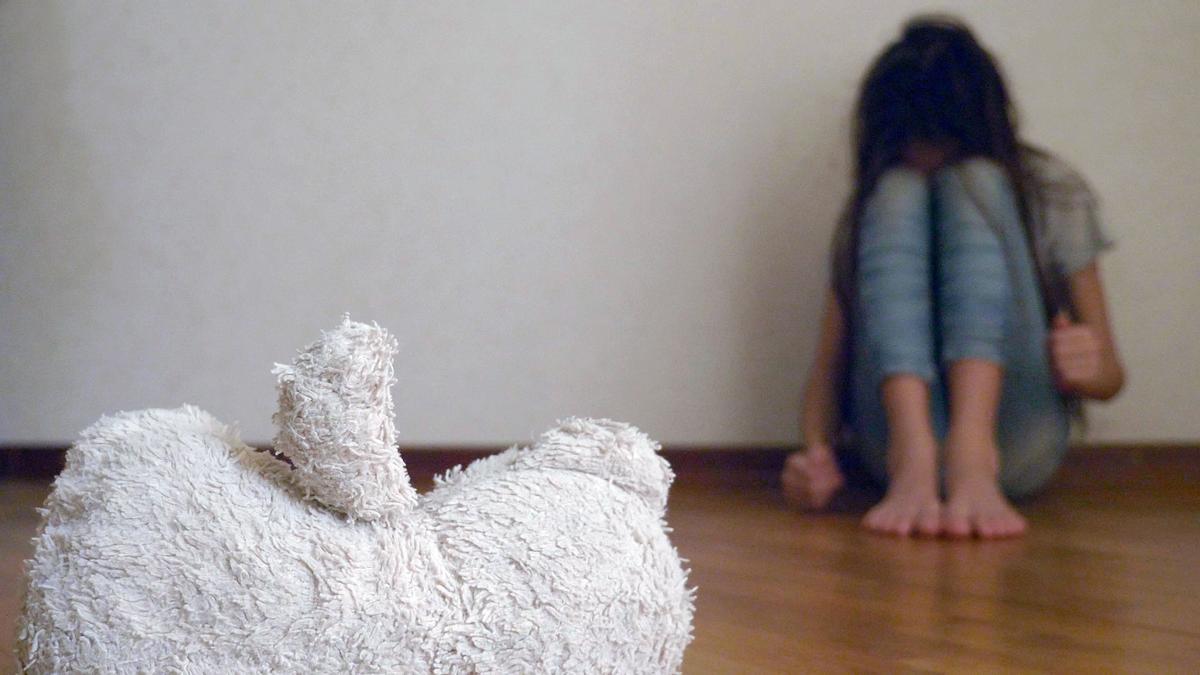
point(966, 313)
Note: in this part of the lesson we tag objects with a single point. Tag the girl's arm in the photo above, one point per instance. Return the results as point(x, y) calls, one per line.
point(1084, 354)
point(819, 412)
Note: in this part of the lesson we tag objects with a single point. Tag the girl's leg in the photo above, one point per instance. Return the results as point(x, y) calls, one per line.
point(975, 503)
point(1007, 427)
point(894, 359)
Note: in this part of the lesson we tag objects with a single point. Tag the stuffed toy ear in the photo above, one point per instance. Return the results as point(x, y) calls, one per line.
point(620, 453)
point(335, 423)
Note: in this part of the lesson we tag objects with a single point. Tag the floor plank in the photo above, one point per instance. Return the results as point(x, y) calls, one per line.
point(1108, 579)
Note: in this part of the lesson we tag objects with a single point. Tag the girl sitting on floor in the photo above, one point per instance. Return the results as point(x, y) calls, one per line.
point(966, 315)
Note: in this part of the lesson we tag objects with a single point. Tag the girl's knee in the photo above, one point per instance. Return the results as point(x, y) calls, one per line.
point(900, 188)
point(983, 175)
point(901, 178)
point(982, 168)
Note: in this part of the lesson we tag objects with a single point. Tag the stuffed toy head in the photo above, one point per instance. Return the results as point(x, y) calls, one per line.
point(168, 545)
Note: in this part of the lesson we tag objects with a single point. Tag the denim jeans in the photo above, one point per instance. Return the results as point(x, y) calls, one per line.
point(944, 273)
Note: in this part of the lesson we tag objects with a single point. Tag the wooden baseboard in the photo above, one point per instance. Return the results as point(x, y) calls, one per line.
point(745, 465)
point(31, 462)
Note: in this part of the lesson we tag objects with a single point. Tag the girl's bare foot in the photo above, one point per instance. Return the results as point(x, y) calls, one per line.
point(975, 504)
point(911, 505)
point(811, 478)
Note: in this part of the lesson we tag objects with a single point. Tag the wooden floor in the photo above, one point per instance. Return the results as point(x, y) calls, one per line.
point(1107, 580)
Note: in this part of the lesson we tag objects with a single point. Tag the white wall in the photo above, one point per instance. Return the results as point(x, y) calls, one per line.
point(616, 209)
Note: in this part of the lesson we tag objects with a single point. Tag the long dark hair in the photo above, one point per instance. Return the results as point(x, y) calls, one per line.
point(936, 83)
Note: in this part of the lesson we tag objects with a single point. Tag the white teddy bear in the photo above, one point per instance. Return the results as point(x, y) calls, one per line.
point(168, 545)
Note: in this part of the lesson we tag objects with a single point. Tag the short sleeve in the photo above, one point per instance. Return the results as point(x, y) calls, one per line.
point(1075, 230)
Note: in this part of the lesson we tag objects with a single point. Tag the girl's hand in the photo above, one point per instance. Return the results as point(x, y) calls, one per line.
point(1076, 354)
point(811, 477)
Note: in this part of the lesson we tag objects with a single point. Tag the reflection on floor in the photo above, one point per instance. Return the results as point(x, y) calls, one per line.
point(1107, 579)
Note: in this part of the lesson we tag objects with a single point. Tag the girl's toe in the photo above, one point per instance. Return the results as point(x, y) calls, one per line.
point(929, 523)
point(956, 525)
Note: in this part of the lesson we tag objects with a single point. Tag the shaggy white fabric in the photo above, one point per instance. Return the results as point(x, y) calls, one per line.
point(335, 423)
point(170, 546)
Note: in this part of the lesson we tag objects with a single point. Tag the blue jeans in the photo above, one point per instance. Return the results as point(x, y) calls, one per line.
point(944, 274)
